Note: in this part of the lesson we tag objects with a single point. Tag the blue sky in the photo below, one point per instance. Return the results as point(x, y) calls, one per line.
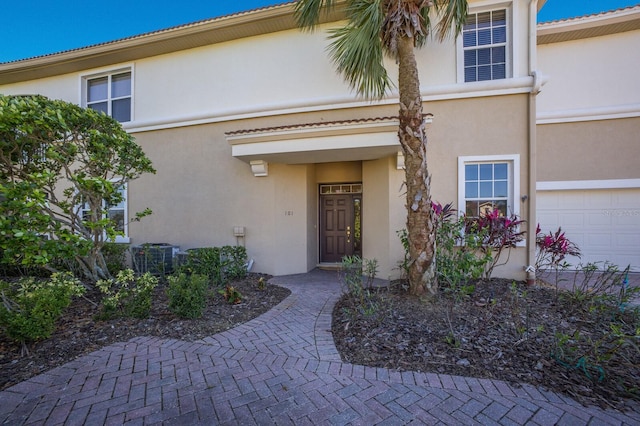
point(39, 27)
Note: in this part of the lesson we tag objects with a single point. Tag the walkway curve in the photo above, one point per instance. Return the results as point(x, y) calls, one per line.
point(280, 368)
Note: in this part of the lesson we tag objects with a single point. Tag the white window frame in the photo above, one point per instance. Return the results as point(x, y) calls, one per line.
point(84, 90)
point(481, 8)
point(123, 239)
point(513, 176)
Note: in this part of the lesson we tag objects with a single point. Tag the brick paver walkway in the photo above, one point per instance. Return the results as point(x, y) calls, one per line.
point(281, 368)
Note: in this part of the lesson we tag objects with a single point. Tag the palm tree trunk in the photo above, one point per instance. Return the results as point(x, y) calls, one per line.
point(420, 227)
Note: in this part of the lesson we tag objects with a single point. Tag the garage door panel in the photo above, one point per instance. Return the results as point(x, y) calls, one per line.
point(605, 224)
point(600, 200)
point(572, 219)
point(599, 241)
point(629, 203)
point(572, 201)
point(626, 220)
point(629, 241)
point(551, 201)
point(597, 219)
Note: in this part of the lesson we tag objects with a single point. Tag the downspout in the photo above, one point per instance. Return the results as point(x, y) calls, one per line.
point(535, 89)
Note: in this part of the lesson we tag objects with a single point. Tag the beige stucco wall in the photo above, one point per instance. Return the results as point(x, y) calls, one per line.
point(590, 74)
point(376, 214)
point(481, 126)
point(592, 150)
point(200, 193)
point(477, 126)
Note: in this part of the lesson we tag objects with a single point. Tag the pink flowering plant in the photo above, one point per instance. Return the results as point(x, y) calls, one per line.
point(498, 233)
point(552, 250)
point(471, 247)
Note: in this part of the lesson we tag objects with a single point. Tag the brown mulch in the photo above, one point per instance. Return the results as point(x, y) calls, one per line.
point(498, 332)
point(79, 332)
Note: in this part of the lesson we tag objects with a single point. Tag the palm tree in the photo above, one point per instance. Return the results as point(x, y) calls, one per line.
point(395, 28)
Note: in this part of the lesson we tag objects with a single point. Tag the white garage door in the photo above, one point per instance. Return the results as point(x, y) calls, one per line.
point(605, 224)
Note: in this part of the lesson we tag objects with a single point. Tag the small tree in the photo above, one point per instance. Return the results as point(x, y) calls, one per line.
point(62, 166)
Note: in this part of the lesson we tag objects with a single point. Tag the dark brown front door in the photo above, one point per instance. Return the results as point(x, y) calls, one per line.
point(339, 232)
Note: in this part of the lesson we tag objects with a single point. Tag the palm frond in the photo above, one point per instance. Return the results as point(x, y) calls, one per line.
point(452, 14)
point(357, 49)
point(425, 15)
point(308, 12)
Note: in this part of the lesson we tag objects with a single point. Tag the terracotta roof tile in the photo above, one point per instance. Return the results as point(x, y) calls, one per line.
point(315, 125)
point(580, 18)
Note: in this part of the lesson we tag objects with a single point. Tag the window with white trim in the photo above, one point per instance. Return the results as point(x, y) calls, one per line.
point(485, 46)
point(116, 212)
point(488, 183)
point(110, 93)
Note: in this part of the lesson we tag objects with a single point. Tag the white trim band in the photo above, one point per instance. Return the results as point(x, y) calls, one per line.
point(507, 86)
point(589, 114)
point(588, 184)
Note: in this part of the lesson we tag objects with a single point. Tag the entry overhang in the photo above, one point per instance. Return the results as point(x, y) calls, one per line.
point(366, 139)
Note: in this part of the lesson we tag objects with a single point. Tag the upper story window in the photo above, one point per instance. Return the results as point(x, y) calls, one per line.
point(111, 94)
point(488, 183)
point(484, 46)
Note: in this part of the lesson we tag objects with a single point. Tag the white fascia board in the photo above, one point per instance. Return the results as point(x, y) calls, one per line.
point(327, 143)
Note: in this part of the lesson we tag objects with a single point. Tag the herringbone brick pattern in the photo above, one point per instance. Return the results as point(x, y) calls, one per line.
point(281, 368)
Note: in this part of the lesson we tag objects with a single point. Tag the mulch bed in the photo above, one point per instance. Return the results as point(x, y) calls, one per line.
point(500, 331)
point(79, 332)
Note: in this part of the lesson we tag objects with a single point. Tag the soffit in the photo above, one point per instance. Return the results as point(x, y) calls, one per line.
point(617, 21)
point(218, 30)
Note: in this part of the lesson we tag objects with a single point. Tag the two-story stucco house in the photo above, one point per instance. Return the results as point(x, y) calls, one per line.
point(588, 163)
point(258, 141)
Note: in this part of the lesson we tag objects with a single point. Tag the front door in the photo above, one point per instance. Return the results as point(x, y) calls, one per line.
point(340, 227)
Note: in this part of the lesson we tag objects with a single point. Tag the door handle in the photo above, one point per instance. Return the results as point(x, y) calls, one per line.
point(348, 234)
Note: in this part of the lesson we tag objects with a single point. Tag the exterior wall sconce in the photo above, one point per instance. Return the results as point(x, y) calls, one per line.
point(259, 168)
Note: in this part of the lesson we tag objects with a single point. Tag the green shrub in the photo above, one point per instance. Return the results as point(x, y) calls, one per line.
point(127, 295)
point(220, 264)
point(457, 260)
point(30, 308)
point(233, 261)
point(353, 272)
point(187, 294)
point(202, 261)
point(115, 256)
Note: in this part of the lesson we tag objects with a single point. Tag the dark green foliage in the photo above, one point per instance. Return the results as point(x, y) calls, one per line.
point(54, 157)
point(115, 256)
point(220, 264)
point(30, 308)
point(457, 259)
point(233, 262)
point(187, 294)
